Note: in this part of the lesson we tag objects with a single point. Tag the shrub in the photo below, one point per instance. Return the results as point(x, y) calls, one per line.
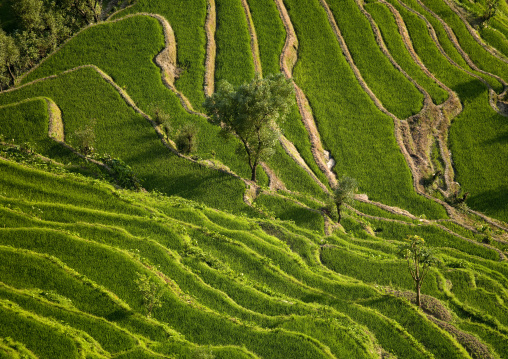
point(84, 139)
point(187, 138)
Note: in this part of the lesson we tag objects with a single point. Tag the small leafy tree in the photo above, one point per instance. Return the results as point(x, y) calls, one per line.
point(343, 193)
point(187, 138)
point(252, 112)
point(419, 261)
point(151, 291)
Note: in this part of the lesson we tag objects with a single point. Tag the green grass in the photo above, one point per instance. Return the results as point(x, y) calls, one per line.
point(292, 175)
point(448, 46)
point(116, 136)
point(476, 135)
point(234, 61)
point(284, 209)
point(434, 237)
point(270, 33)
point(124, 62)
point(25, 122)
point(435, 340)
point(373, 210)
point(238, 281)
point(389, 30)
point(187, 18)
point(358, 135)
point(466, 290)
point(496, 39)
point(43, 339)
point(391, 87)
point(110, 337)
point(478, 55)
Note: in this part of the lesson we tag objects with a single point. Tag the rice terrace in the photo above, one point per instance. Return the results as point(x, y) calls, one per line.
point(276, 179)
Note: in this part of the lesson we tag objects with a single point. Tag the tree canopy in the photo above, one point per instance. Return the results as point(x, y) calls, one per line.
point(419, 261)
point(37, 28)
point(344, 193)
point(252, 112)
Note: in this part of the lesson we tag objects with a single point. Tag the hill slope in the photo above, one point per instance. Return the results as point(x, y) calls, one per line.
point(403, 95)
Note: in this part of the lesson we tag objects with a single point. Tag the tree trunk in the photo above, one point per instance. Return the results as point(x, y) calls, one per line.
point(418, 300)
point(12, 75)
point(253, 175)
point(339, 214)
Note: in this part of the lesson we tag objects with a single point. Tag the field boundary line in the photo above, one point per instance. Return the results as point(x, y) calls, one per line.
point(211, 48)
point(493, 51)
point(456, 44)
point(433, 35)
point(398, 129)
point(417, 142)
point(288, 59)
point(449, 109)
point(254, 46)
point(502, 256)
point(292, 151)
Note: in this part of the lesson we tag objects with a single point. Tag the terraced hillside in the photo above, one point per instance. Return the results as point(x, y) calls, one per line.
point(133, 249)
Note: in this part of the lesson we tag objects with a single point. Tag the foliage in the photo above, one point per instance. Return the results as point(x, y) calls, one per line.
point(187, 138)
point(40, 26)
point(419, 261)
point(123, 174)
point(84, 138)
point(151, 291)
point(344, 193)
point(9, 56)
point(491, 9)
point(252, 112)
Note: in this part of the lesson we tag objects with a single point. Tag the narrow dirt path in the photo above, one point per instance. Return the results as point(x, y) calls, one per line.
point(502, 256)
point(456, 44)
point(422, 137)
point(274, 182)
point(254, 46)
point(291, 150)
point(398, 129)
point(451, 108)
point(432, 32)
point(473, 33)
point(211, 48)
point(288, 60)
point(132, 104)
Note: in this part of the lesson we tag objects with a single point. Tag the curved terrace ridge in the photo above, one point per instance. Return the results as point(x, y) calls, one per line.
point(288, 60)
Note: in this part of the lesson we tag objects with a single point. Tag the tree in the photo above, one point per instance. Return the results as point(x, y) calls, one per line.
point(151, 291)
point(9, 56)
point(343, 193)
point(419, 261)
point(87, 10)
point(252, 112)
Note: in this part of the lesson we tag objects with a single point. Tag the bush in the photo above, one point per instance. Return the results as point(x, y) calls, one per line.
point(187, 138)
point(84, 139)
